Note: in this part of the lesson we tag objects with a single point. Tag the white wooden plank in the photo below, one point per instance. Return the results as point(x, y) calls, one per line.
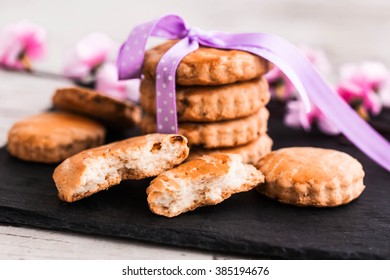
point(28, 243)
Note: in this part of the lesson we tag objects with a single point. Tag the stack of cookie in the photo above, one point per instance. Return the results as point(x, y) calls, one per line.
point(220, 96)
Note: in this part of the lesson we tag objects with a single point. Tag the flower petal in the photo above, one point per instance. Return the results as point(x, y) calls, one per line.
point(326, 126)
point(107, 82)
point(88, 54)
point(296, 116)
point(19, 38)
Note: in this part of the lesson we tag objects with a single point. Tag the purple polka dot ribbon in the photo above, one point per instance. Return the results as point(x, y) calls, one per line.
point(309, 83)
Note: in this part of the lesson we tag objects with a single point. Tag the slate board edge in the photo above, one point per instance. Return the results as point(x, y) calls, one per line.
point(206, 242)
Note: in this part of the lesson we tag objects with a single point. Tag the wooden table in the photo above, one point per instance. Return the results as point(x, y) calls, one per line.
point(348, 31)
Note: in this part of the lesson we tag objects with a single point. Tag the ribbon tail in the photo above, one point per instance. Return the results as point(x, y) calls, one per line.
point(166, 84)
point(296, 66)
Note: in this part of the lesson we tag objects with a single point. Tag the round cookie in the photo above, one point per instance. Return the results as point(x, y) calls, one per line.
point(53, 137)
point(209, 66)
point(211, 103)
point(250, 153)
point(307, 176)
point(218, 134)
point(113, 112)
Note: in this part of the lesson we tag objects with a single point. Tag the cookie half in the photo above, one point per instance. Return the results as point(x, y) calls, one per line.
point(209, 66)
point(135, 158)
point(211, 103)
point(113, 112)
point(218, 134)
point(250, 153)
point(53, 137)
point(205, 181)
point(309, 176)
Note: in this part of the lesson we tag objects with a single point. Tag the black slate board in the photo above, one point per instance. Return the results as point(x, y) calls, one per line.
point(247, 223)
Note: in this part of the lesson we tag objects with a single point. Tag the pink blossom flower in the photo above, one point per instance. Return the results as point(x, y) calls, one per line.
point(297, 117)
point(107, 82)
point(364, 85)
point(280, 85)
point(360, 94)
point(20, 43)
point(89, 53)
point(372, 74)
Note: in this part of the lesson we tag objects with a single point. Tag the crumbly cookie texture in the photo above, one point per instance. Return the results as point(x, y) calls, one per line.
point(307, 176)
point(135, 158)
point(251, 153)
point(209, 66)
point(211, 103)
point(205, 181)
point(53, 137)
point(114, 113)
point(218, 134)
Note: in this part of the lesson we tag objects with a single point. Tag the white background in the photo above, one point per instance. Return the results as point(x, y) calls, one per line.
point(348, 30)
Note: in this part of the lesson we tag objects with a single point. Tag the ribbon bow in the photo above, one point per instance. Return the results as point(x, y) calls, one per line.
point(280, 52)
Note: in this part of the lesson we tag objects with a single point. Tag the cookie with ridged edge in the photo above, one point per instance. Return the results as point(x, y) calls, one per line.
point(211, 103)
point(54, 136)
point(204, 181)
point(134, 158)
point(306, 176)
point(112, 112)
point(209, 66)
point(218, 134)
point(251, 153)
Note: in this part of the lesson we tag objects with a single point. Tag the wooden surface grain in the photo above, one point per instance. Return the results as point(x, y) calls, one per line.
point(29, 243)
point(349, 31)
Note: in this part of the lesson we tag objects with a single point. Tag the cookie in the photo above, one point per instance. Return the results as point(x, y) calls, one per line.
point(250, 153)
point(209, 66)
point(113, 112)
point(311, 177)
point(211, 103)
point(205, 181)
point(52, 137)
point(218, 134)
point(135, 158)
